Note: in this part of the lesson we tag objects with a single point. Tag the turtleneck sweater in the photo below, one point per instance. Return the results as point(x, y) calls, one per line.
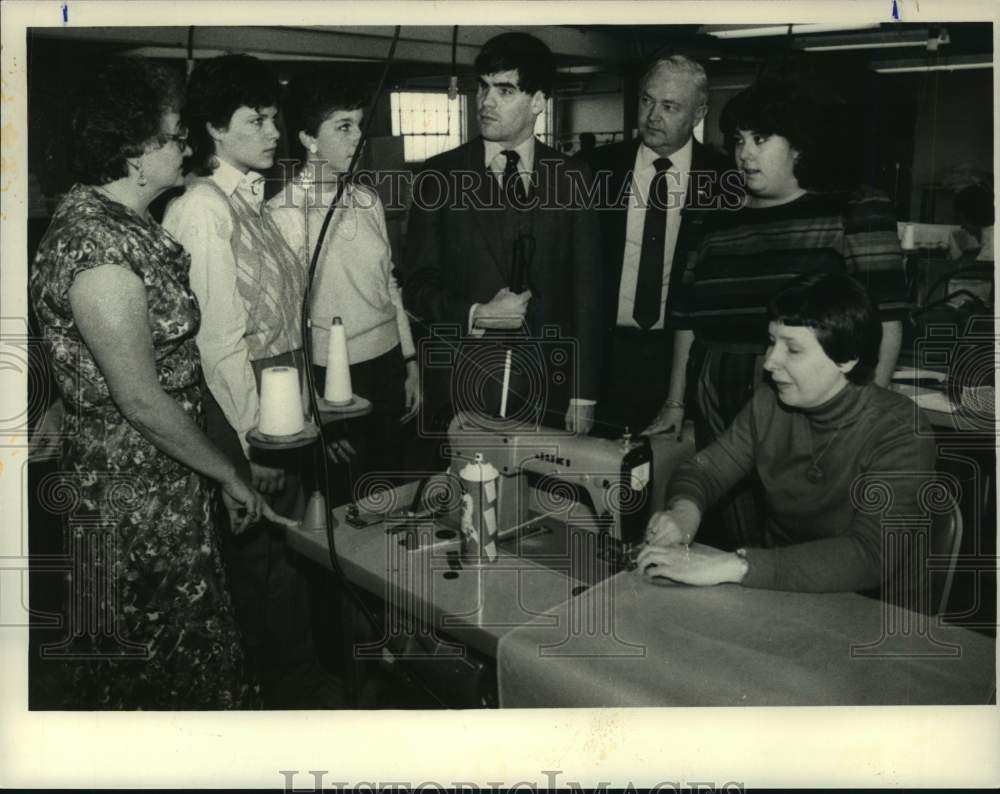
point(875, 452)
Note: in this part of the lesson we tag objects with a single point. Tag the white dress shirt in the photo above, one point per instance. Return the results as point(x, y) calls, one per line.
point(495, 163)
point(642, 175)
point(232, 334)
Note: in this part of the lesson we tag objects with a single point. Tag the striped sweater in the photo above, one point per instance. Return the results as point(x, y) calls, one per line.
point(752, 253)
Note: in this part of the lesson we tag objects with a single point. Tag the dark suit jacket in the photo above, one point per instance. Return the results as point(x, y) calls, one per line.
point(457, 255)
point(611, 167)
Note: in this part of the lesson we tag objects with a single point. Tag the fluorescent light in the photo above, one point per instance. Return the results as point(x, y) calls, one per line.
point(201, 54)
point(755, 31)
point(937, 65)
point(583, 69)
point(869, 41)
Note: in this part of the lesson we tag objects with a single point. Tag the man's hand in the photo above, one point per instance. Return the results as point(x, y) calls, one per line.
point(580, 418)
point(267, 480)
point(506, 311)
point(670, 419)
point(412, 390)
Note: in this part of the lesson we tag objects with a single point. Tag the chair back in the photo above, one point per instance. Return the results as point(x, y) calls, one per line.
point(945, 542)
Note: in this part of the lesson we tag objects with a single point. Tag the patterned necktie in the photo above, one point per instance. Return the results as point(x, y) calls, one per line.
point(649, 283)
point(515, 194)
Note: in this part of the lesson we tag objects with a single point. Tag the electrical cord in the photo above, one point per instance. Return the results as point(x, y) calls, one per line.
point(307, 345)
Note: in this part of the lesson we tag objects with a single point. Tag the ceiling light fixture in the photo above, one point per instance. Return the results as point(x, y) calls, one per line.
point(936, 65)
point(203, 54)
point(871, 41)
point(757, 31)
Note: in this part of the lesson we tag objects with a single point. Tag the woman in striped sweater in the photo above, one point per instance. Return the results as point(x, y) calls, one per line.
point(791, 224)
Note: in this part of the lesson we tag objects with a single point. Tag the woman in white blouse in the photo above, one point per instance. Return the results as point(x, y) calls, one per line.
point(354, 278)
point(249, 286)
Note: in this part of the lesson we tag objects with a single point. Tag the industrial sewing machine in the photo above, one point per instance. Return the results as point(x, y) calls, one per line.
point(569, 510)
point(575, 503)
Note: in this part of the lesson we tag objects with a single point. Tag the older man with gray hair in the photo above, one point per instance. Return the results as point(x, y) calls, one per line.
point(654, 195)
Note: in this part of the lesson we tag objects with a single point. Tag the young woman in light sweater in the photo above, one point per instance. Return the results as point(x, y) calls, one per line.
point(839, 460)
point(354, 278)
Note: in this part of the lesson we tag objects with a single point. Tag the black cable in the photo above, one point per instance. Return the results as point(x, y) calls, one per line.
point(307, 343)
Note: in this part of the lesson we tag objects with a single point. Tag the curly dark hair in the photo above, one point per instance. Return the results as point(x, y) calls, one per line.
point(535, 64)
point(119, 117)
point(842, 315)
point(791, 109)
point(218, 88)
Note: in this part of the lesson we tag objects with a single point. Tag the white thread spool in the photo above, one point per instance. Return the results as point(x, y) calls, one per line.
point(337, 389)
point(280, 402)
point(909, 238)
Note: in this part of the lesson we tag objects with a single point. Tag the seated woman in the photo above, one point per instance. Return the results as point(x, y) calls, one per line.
point(809, 433)
point(798, 219)
point(354, 279)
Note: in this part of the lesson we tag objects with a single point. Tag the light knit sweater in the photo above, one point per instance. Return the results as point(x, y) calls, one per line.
point(354, 278)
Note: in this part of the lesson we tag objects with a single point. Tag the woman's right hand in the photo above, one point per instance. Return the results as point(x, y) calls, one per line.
point(246, 506)
point(675, 526)
point(340, 450)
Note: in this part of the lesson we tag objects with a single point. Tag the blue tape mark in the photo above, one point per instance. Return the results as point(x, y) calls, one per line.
point(895, 11)
point(65, 12)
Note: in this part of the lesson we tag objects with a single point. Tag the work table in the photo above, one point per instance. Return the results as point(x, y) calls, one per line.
point(727, 645)
point(627, 642)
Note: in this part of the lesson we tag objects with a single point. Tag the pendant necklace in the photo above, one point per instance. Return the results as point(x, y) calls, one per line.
point(814, 473)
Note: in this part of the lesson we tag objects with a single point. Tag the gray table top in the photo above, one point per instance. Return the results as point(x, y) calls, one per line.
point(627, 642)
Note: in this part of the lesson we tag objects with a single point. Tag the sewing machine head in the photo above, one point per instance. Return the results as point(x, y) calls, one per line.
point(593, 484)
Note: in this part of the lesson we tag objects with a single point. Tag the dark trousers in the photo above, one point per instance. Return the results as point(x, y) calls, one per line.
point(634, 382)
point(382, 444)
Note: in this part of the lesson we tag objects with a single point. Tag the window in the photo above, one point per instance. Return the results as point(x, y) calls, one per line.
point(429, 122)
point(544, 124)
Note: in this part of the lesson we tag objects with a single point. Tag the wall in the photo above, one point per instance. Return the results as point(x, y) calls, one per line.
point(597, 113)
point(954, 133)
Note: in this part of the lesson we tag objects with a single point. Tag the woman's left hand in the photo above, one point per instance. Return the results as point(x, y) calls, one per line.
point(697, 565)
point(412, 389)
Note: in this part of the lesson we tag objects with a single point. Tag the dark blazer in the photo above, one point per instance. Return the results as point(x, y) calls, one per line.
point(611, 167)
point(457, 253)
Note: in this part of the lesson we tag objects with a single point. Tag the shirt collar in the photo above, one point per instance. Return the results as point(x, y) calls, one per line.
point(680, 160)
point(525, 150)
point(230, 179)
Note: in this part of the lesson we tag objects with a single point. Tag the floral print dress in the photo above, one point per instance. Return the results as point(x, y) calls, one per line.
point(149, 622)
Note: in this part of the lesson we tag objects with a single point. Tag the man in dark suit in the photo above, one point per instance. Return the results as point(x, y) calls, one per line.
point(501, 248)
point(655, 196)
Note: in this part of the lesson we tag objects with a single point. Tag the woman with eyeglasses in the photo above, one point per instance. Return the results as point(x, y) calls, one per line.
point(149, 620)
point(354, 279)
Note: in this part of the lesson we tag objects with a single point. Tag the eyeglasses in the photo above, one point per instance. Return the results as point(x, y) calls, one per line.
point(180, 138)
